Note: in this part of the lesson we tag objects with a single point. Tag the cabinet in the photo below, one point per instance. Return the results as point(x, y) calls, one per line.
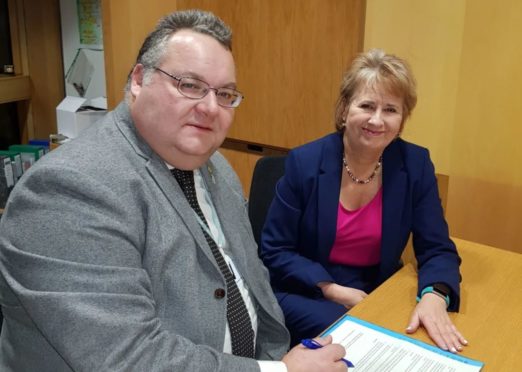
point(37, 82)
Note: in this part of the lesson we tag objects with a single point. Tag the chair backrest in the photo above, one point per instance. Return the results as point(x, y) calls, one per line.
point(267, 172)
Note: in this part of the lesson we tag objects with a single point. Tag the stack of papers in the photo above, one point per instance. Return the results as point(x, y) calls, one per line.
point(375, 349)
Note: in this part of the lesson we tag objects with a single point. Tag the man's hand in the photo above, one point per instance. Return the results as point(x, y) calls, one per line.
point(327, 358)
point(346, 296)
point(431, 313)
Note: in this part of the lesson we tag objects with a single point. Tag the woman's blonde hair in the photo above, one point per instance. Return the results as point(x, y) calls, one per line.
point(378, 70)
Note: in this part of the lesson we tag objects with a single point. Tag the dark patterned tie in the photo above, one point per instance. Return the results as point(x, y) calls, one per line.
point(239, 322)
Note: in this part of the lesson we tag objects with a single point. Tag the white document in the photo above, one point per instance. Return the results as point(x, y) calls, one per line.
point(375, 349)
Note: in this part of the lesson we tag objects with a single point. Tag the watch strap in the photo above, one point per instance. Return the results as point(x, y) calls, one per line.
point(435, 291)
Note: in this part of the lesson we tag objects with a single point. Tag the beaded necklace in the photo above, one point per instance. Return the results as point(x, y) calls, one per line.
point(357, 180)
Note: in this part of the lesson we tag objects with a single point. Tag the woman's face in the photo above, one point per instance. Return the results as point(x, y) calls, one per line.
point(373, 119)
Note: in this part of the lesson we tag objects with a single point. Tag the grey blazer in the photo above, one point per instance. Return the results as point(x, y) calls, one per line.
point(105, 269)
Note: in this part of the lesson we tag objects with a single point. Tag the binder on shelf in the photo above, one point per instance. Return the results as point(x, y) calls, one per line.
point(40, 142)
point(16, 163)
point(6, 179)
point(29, 154)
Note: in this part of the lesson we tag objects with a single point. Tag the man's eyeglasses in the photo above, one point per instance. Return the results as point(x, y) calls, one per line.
point(196, 89)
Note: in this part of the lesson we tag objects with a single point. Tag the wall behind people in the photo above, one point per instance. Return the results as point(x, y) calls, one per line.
point(466, 57)
point(290, 56)
point(126, 23)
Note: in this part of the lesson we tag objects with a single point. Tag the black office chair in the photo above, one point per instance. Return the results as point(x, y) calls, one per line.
point(267, 172)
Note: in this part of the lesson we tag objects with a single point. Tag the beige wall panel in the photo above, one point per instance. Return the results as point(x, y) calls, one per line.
point(126, 23)
point(44, 58)
point(486, 192)
point(466, 57)
point(485, 211)
point(429, 35)
point(290, 56)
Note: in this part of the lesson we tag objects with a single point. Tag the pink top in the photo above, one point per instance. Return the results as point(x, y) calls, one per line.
point(359, 233)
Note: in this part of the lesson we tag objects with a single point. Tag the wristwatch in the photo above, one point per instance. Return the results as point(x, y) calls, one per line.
point(438, 289)
point(442, 289)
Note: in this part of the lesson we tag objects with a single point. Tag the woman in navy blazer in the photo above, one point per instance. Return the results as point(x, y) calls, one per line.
point(319, 267)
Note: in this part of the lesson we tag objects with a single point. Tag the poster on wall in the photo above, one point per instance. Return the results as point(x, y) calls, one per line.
point(89, 21)
point(82, 46)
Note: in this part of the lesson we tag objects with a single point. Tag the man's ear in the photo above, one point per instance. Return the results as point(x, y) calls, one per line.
point(136, 79)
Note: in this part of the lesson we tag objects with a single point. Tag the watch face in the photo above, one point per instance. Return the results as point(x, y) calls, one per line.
point(442, 289)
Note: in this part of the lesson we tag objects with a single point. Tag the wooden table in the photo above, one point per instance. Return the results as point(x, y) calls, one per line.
point(490, 316)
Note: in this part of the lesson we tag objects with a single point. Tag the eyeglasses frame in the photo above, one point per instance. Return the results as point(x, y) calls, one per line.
point(216, 90)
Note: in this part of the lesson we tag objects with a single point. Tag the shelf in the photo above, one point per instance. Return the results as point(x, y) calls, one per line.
point(14, 88)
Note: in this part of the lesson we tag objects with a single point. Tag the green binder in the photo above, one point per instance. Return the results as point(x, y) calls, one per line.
point(29, 153)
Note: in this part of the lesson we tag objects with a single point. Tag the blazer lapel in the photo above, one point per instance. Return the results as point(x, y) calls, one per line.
point(394, 183)
point(160, 173)
point(328, 189)
point(167, 183)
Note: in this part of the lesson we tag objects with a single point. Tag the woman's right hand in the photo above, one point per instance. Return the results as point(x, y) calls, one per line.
point(346, 296)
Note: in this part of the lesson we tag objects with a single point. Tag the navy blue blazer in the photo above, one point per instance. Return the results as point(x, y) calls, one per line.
point(300, 228)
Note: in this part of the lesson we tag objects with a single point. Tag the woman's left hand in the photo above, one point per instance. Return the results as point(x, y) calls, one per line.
point(431, 313)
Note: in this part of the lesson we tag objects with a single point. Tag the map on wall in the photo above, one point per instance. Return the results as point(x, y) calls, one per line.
point(90, 22)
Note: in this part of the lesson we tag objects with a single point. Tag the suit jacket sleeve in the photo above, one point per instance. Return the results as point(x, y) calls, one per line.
point(435, 252)
point(72, 259)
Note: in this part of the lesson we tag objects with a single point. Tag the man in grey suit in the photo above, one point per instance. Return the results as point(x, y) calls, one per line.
point(106, 265)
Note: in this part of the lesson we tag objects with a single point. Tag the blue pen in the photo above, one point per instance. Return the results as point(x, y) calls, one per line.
point(312, 344)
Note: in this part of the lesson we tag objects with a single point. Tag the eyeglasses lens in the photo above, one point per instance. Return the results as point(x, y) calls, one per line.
point(194, 88)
